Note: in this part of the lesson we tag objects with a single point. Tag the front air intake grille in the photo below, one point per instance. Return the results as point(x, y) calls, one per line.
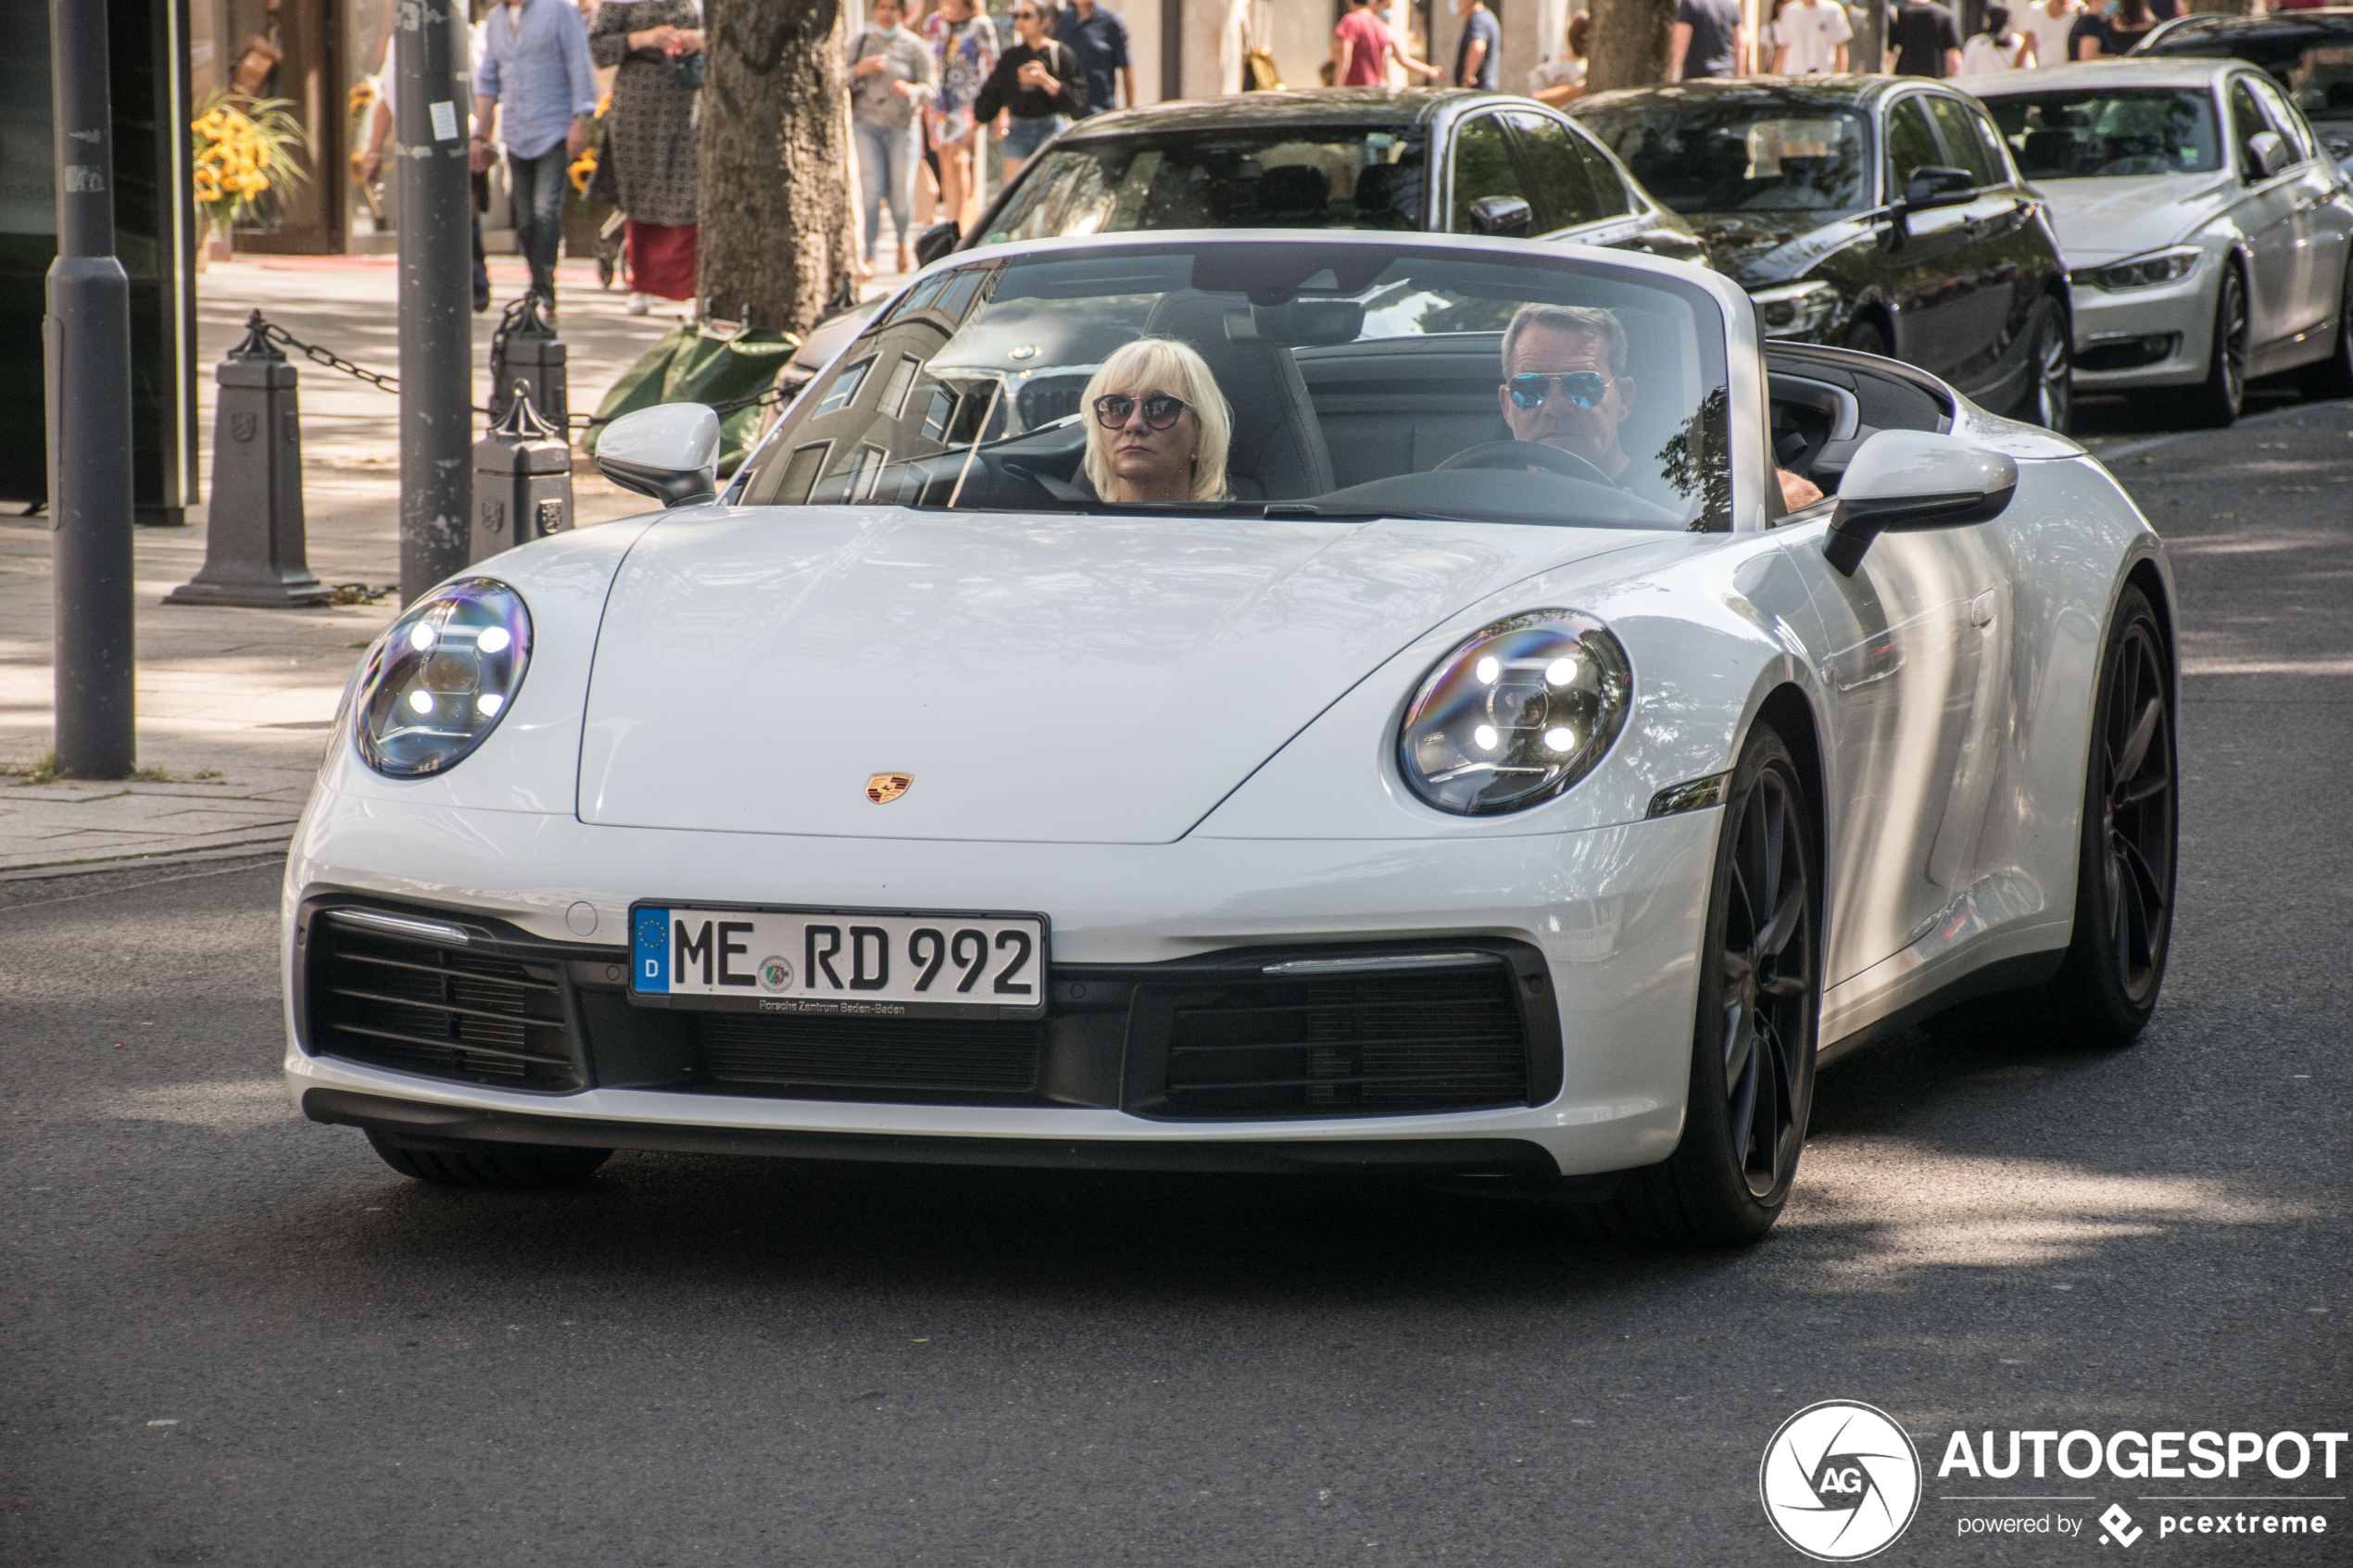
point(820, 1058)
point(1446, 1039)
point(407, 1003)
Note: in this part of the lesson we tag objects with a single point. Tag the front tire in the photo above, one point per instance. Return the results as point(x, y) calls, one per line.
point(2333, 377)
point(1752, 1074)
point(2216, 401)
point(490, 1164)
point(2107, 984)
point(2050, 395)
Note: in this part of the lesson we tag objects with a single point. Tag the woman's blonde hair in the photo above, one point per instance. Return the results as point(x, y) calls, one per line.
point(1162, 364)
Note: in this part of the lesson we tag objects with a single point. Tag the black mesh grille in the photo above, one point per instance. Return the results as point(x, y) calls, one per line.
point(1444, 1040)
point(412, 1006)
point(859, 1058)
point(1049, 398)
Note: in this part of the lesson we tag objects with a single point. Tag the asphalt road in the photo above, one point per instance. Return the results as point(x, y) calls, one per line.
point(233, 1337)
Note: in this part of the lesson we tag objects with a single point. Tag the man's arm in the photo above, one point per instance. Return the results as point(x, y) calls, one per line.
point(1473, 57)
point(1677, 50)
point(581, 71)
point(485, 127)
point(1838, 59)
point(1740, 53)
point(1781, 60)
point(1398, 54)
point(1127, 80)
point(1343, 51)
point(1952, 62)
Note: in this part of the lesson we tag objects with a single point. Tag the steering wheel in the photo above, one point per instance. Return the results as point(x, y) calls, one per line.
point(1519, 454)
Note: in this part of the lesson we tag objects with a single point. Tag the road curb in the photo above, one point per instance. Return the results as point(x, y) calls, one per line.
point(2150, 443)
point(244, 849)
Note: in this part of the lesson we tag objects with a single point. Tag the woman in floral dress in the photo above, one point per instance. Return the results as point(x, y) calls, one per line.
point(965, 42)
point(650, 137)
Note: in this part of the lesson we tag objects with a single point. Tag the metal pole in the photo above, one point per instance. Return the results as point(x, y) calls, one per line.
point(87, 342)
point(436, 337)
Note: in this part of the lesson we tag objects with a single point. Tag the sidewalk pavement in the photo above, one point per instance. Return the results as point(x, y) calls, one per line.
point(233, 703)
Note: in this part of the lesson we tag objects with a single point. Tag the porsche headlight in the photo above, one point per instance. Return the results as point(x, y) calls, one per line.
point(2144, 271)
point(440, 680)
point(1516, 715)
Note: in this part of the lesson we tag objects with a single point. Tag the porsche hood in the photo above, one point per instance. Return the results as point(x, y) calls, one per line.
point(1032, 678)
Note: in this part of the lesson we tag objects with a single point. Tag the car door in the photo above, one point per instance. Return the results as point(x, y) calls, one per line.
point(1482, 164)
point(2319, 222)
point(1996, 291)
point(1932, 310)
point(2266, 217)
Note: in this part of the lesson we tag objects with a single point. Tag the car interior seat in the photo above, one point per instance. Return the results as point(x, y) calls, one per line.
point(1386, 195)
point(2048, 154)
point(1278, 445)
point(1293, 194)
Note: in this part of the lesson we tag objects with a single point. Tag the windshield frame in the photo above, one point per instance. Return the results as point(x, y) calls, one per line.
point(1752, 507)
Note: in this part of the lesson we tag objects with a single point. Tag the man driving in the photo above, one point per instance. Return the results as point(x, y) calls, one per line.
point(1565, 386)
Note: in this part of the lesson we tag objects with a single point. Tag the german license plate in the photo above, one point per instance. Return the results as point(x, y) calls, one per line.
point(842, 961)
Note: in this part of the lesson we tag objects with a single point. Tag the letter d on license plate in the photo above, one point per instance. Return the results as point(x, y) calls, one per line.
point(764, 958)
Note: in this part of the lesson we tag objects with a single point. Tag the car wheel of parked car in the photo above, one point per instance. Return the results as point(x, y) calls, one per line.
point(1867, 336)
point(1752, 1082)
point(490, 1164)
point(2333, 377)
point(2217, 402)
point(2106, 985)
point(2050, 395)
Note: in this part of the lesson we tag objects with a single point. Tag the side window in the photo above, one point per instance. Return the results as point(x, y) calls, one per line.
point(1912, 146)
point(1483, 168)
point(1962, 147)
point(1609, 186)
point(1562, 192)
point(1997, 151)
point(2246, 122)
point(2286, 122)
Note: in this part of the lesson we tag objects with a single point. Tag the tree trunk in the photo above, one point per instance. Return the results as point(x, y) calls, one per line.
point(1631, 43)
point(775, 245)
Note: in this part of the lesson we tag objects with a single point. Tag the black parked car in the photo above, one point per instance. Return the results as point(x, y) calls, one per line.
point(1434, 160)
point(2309, 54)
point(1876, 213)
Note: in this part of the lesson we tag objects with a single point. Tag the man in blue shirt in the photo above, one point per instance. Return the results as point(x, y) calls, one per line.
point(534, 60)
point(1099, 38)
point(1478, 57)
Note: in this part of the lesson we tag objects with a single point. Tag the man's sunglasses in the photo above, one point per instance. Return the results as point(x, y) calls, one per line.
point(1160, 410)
point(1584, 388)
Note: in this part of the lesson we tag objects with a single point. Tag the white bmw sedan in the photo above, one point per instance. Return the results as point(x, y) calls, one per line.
point(1215, 701)
point(2208, 235)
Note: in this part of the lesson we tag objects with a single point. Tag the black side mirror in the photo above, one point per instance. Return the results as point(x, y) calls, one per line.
point(936, 241)
point(1937, 186)
point(1505, 218)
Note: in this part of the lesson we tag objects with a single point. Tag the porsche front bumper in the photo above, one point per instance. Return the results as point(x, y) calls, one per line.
point(1594, 934)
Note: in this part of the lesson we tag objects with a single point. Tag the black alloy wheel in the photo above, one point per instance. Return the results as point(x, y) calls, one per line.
point(2333, 377)
point(1760, 986)
point(2107, 984)
point(490, 1164)
point(1866, 336)
point(2218, 400)
point(2050, 395)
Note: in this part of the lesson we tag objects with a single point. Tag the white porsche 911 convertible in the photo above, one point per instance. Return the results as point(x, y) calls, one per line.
point(1231, 702)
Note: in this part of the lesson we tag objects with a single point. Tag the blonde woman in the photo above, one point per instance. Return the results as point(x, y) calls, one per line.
point(1158, 429)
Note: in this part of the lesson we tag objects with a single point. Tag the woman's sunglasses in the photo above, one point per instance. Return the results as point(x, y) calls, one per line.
point(1584, 388)
point(1160, 410)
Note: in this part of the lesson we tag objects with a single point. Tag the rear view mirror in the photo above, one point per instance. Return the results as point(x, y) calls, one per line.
point(669, 452)
point(936, 241)
point(1901, 480)
point(2266, 154)
point(1507, 218)
point(1936, 186)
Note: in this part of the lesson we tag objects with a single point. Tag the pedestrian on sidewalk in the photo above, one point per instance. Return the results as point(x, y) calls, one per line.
point(1926, 40)
point(535, 66)
point(1997, 48)
point(1099, 38)
point(657, 48)
point(964, 42)
point(372, 163)
point(1810, 38)
point(891, 78)
point(1036, 86)
point(2049, 23)
point(1562, 81)
point(1363, 49)
point(1478, 57)
point(1710, 40)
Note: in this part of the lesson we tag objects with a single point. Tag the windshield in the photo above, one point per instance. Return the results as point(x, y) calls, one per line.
point(1734, 157)
point(2110, 133)
point(2313, 63)
point(1265, 378)
point(1298, 177)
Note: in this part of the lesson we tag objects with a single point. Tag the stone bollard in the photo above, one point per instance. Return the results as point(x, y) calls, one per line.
point(523, 480)
point(527, 350)
point(253, 553)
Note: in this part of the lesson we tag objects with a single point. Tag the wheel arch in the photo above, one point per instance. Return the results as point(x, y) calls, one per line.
point(1790, 715)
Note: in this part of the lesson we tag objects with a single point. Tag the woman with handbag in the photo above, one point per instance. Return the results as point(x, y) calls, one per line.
point(650, 137)
point(1038, 86)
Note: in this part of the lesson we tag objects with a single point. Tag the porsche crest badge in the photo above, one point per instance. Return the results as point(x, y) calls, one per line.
point(883, 788)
